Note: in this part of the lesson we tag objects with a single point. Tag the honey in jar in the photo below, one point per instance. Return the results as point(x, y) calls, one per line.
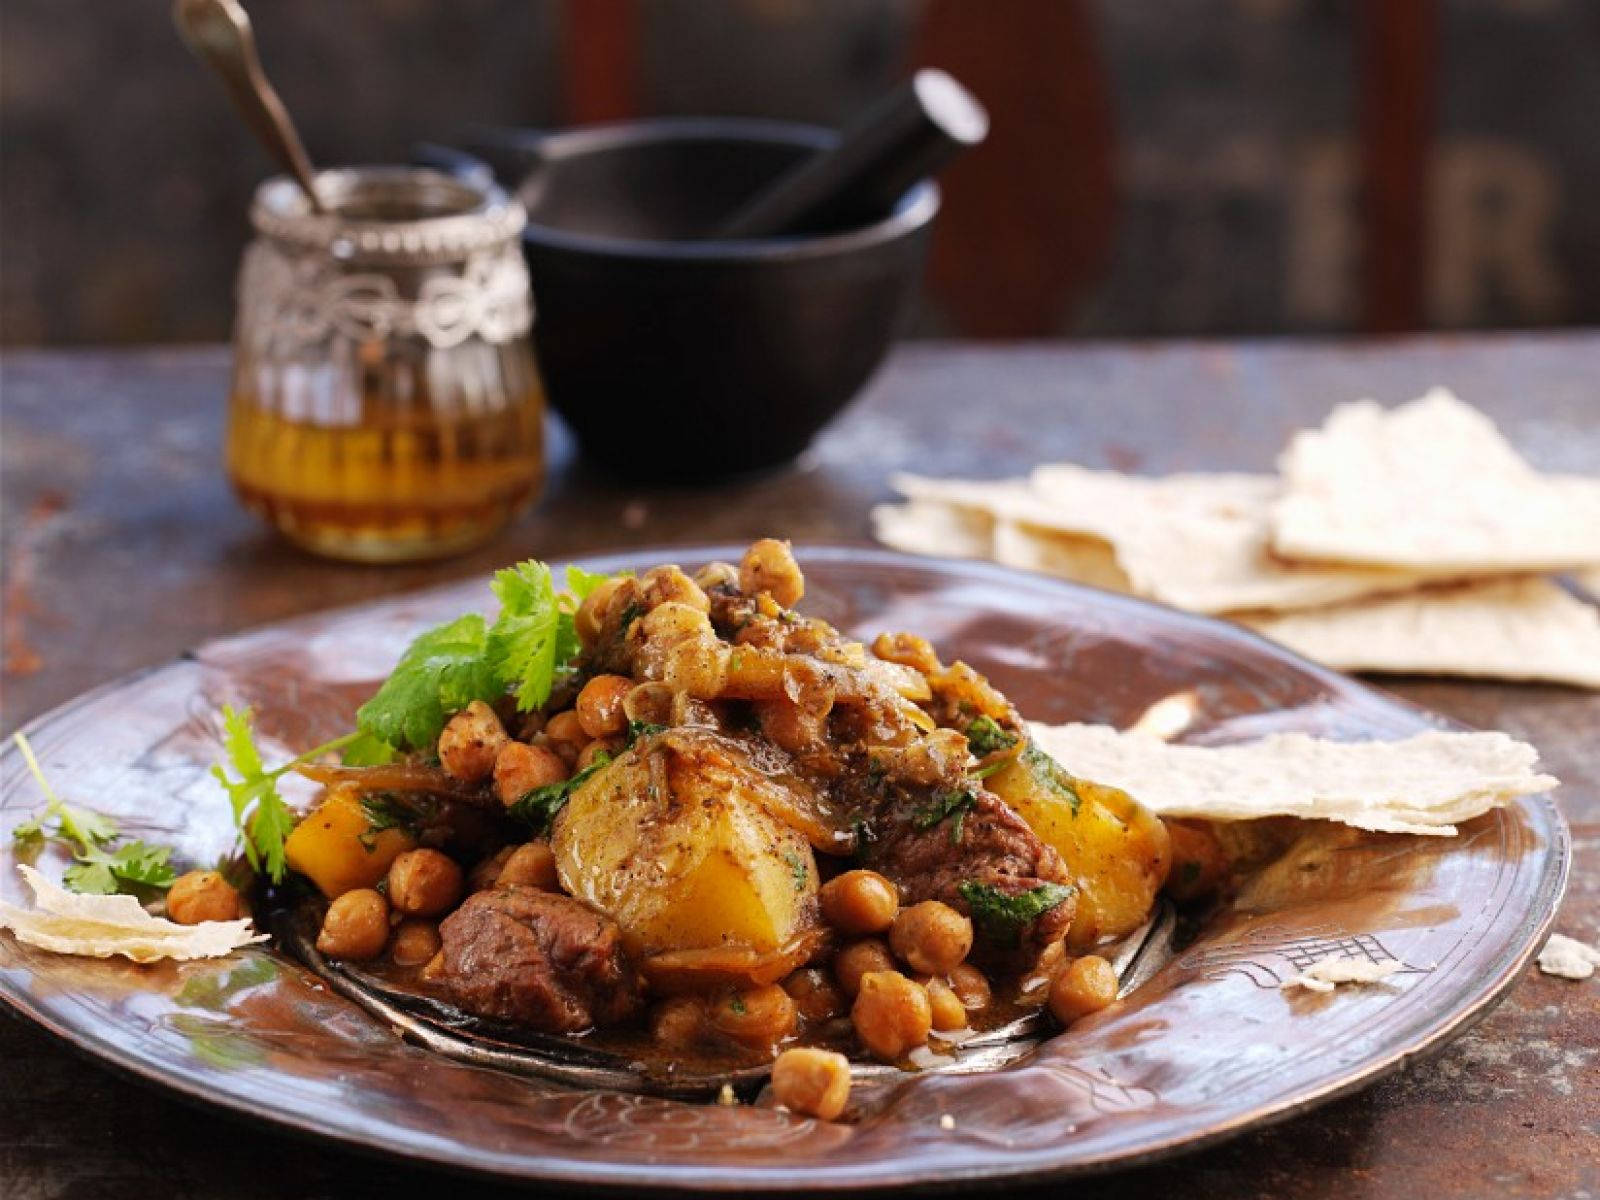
point(385, 404)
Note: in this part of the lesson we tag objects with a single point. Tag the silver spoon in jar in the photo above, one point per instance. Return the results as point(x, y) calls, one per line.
point(219, 33)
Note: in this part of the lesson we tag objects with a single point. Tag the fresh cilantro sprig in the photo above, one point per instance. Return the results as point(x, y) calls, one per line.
point(539, 807)
point(263, 819)
point(98, 867)
point(1001, 917)
point(441, 672)
point(530, 645)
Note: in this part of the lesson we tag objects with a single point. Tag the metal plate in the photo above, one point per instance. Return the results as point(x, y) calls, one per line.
point(1207, 1047)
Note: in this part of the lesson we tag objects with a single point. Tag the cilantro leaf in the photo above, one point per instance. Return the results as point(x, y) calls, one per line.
point(442, 671)
point(580, 582)
point(1052, 775)
point(942, 805)
point(103, 872)
point(96, 868)
point(270, 828)
point(90, 878)
point(984, 736)
point(532, 636)
point(1001, 917)
point(262, 818)
point(539, 807)
point(367, 750)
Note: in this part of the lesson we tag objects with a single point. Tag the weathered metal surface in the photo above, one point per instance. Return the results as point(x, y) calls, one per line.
point(121, 547)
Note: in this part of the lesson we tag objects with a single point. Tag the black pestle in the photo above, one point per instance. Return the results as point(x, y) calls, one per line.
point(907, 136)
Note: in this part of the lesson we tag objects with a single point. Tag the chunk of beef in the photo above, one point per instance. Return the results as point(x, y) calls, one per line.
point(986, 843)
point(538, 958)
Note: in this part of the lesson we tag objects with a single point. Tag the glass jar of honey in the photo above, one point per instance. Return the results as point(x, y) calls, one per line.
point(385, 405)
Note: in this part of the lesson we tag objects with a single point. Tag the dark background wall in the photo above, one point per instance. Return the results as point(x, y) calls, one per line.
point(1159, 166)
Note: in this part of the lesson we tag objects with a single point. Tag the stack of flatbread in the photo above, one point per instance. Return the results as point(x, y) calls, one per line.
point(1412, 539)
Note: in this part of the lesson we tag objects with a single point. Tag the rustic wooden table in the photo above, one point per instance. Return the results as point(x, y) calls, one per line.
point(122, 546)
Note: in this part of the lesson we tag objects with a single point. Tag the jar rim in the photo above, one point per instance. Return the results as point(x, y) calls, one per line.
point(394, 215)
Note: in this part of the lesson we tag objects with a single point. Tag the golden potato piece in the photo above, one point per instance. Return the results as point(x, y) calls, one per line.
point(336, 847)
point(1117, 850)
point(676, 841)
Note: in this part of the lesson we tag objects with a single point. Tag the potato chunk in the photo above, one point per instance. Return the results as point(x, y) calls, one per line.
point(676, 843)
point(337, 848)
point(1117, 850)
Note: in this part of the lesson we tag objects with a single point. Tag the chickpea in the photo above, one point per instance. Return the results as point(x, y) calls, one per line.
point(659, 585)
point(588, 755)
point(679, 1022)
point(202, 896)
point(1086, 986)
point(931, 938)
point(945, 1006)
point(757, 1017)
point(599, 706)
point(565, 731)
point(487, 873)
point(859, 902)
point(423, 883)
point(859, 958)
point(908, 650)
point(769, 566)
point(813, 1083)
point(892, 1015)
point(470, 743)
point(971, 987)
point(591, 615)
point(522, 768)
point(816, 997)
point(356, 926)
point(529, 865)
point(414, 943)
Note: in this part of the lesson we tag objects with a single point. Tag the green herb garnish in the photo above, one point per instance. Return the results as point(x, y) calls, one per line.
point(529, 646)
point(1001, 917)
point(98, 867)
point(736, 1003)
point(643, 729)
point(1052, 775)
point(984, 736)
point(263, 819)
point(944, 804)
point(539, 807)
point(798, 870)
point(385, 810)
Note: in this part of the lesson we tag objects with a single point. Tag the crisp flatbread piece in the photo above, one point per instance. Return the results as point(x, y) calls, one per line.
point(1422, 784)
point(1198, 542)
point(1525, 628)
point(931, 527)
point(102, 926)
point(1430, 486)
point(1568, 957)
point(1328, 973)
